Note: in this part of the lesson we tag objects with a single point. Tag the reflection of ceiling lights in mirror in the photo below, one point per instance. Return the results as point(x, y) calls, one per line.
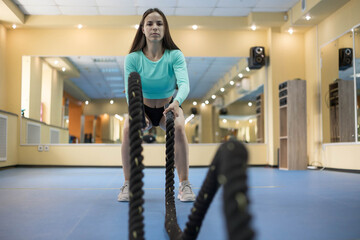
point(117, 116)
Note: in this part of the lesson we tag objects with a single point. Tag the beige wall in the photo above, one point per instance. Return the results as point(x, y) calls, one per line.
point(287, 62)
point(3, 102)
point(110, 155)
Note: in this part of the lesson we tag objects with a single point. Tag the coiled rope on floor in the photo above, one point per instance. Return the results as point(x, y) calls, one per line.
point(136, 209)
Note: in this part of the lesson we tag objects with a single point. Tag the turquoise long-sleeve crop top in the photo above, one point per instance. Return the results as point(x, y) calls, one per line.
point(159, 79)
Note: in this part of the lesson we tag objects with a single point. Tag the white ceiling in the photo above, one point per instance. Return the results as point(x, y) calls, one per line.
point(138, 7)
point(204, 72)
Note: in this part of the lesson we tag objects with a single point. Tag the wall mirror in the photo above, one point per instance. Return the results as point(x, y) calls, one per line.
point(339, 89)
point(80, 99)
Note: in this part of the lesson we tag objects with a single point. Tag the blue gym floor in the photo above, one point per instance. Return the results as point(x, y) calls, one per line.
point(81, 203)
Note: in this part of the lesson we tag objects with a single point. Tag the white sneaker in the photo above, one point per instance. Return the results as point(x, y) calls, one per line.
point(185, 192)
point(124, 193)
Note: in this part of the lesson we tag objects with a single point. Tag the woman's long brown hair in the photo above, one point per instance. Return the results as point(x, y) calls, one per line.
point(140, 42)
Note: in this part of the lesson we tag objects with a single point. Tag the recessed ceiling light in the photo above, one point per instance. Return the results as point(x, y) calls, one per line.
point(137, 26)
point(194, 103)
point(247, 69)
point(253, 27)
point(203, 104)
point(213, 96)
point(240, 75)
point(206, 101)
point(63, 69)
point(56, 62)
point(291, 31)
point(79, 26)
point(308, 17)
point(111, 101)
point(194, 27)
point(14, 26)
point(232, 82)
point(249, 104)
point(222, 89)
point(86, 102)
point(224, 120)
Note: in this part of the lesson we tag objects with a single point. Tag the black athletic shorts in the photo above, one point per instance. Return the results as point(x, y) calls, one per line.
point(155, 114)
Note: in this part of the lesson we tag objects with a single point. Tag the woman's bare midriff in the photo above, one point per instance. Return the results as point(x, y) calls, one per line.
point(156, 103)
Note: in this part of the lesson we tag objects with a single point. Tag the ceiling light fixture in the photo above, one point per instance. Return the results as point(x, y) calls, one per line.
point(195, 27)
point(14, 26)
point(86, 102)
point(253, 27)
point(111, 101)
point(247, 69)
point(291, 31)
point(194, 103)
point(206, 101)
point(240, 75)
point(56, 62)
point(232, 82)
point(137, 26)
point(222, 89)
point(249, 104)
point(79, 26)
point(308, 17)
point(203, 104)
point(213, 96)
point(63, 69)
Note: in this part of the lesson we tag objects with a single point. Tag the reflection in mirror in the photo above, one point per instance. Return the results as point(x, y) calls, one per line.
point(337, 86)
point(244, 118)
point(80, 99)
point(357, 75)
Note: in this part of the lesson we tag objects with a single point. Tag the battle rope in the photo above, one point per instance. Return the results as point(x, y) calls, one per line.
point(171, 225)
point(228, 168)
point(136, 218)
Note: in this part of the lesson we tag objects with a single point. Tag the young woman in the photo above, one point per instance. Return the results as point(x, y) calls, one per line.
point(162, 67)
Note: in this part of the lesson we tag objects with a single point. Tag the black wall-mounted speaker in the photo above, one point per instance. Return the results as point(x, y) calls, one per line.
point(194, 111)
point(257, 57)
point(345, 58)
point(223, 111)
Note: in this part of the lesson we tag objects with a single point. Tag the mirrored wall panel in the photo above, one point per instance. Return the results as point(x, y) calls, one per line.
point(80, 99)
point(338, 87)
